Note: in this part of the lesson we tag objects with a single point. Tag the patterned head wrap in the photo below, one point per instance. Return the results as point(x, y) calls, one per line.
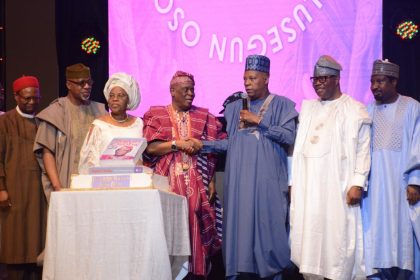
point(258, 63)
point(326, 66)
point(181, 77)
point(129, 84)
point(384, 67)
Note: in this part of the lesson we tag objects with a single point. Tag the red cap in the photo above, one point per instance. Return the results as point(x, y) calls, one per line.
point(24, 82)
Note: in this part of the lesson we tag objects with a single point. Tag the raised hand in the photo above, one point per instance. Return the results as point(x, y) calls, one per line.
point(249, 118)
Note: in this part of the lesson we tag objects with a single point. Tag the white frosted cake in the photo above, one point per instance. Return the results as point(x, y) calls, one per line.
point(112, 178)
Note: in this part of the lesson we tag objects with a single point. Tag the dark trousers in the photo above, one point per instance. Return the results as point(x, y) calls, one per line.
point(28, 271)
point(393, 273)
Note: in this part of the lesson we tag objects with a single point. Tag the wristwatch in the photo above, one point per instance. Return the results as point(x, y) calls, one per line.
point(174, 148)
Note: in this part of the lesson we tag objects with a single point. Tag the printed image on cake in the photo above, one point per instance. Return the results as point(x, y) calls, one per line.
point(113, 178)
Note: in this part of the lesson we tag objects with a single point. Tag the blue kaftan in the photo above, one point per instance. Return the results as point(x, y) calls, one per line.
point(389, 232)
point(255, 188)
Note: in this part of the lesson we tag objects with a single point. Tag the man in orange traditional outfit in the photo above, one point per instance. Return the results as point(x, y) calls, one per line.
point(171, 132)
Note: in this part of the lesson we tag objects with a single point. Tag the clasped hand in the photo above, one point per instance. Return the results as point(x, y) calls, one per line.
point(190, 146)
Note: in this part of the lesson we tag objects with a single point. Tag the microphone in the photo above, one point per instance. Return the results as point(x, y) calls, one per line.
point(244, 97)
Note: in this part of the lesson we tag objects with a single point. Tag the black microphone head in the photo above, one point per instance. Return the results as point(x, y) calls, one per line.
point(231, 98)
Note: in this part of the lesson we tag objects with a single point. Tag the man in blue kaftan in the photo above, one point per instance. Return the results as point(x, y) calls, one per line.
point(260, 129)
point(391, 208)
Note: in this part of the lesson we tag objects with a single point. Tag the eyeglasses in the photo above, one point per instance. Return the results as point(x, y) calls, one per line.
point(29, 98)
point(82, 83)
point(321, 79)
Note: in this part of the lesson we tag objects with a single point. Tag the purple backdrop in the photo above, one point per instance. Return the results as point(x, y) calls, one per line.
point(210, 39)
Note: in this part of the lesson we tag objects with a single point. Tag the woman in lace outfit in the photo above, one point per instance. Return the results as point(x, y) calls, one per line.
point(122, 93)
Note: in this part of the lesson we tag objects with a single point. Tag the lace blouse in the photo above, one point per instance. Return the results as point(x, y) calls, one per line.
point(101, 135)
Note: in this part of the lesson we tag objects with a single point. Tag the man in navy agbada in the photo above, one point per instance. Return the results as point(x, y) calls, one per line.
point(255, 240)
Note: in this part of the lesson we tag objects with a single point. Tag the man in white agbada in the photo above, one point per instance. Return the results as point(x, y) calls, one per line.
point(331, 162)
point(394, 183)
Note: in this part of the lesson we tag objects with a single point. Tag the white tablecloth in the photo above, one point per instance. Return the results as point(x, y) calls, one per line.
point(115, 234)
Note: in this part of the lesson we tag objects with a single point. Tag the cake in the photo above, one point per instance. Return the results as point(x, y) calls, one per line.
point(113, 179)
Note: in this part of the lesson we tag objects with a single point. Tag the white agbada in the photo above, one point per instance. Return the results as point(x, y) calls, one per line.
point(331, 154)
point(102, 133)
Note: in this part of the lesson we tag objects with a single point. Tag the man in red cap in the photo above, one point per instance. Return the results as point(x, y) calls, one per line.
point(22, 200)
point(63, 127)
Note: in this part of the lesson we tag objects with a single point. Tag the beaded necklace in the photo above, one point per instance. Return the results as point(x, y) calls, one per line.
point(119, 121)
point(181, 129)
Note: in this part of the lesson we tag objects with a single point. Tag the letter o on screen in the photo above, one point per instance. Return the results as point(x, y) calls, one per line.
point(166, 9)
point(190, 43)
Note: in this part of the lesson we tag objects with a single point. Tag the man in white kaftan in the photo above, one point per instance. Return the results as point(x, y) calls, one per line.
point(394, 182)
point(331, 162)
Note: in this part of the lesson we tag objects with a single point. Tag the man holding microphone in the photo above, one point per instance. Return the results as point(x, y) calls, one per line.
point(260, 130)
